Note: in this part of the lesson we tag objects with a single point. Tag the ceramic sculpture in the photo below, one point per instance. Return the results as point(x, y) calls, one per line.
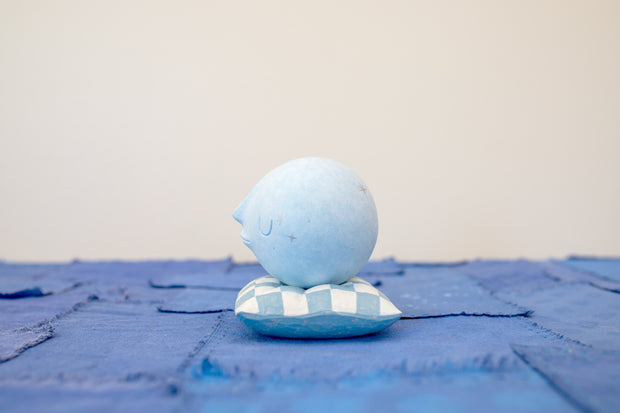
point(312, 224)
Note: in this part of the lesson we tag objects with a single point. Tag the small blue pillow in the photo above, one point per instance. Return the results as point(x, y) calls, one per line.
point(351, 309)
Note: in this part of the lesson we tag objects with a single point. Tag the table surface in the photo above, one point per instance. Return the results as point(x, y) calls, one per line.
point(162, 336)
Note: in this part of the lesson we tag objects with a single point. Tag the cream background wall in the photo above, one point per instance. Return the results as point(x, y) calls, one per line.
point(132, 129)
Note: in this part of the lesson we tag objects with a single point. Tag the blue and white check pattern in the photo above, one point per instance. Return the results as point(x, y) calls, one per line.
point(268, 296)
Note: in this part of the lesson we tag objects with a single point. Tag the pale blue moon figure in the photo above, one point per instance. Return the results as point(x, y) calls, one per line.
point(310, 221)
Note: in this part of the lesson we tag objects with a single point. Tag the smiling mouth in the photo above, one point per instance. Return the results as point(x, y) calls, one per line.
point(245, 240)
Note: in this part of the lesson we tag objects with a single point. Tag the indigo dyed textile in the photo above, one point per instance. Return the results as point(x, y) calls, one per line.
point(486, 335)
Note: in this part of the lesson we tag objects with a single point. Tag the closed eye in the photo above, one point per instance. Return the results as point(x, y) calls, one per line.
point(265, 231)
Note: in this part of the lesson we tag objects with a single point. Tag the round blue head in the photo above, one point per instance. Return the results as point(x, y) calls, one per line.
point(310, 221)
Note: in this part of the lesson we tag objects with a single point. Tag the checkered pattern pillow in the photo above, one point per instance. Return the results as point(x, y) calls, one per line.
point(341, 309)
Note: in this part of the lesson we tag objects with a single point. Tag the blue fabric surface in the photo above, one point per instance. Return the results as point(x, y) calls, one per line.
point(581, 312)
point(567, 306)
point(36, 311)
point(19, 281)
point(225, 276)
point(198, 300)
point(439, 291)
point(113, 342)
point(411, 345)
point(587, 377)
point(15, 342)
point(384, 267)
point(575, 270)
point(516, 389)
point(63, 397)
point(607, 268)
point(484, 336)
point(521, 276)
point(192, 275)
point(233, 278)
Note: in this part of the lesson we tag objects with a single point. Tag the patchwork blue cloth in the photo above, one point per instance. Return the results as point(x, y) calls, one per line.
point(192, 274)
point(227, 275)
point(200, 301)
point(520, 276)
point(386, 267)
point(110, 342)
point(51, 396)
point(20, 281)
point(33, 312)
point(604, 267)
point(443, 291)
point(604, 274)
point(15, 342)
point(589, 377)
point(443, 344)
point(564, 273)
point(113, 341)
point(129, 281)
point(516, 389)
point(579, 311)
point(350, 309)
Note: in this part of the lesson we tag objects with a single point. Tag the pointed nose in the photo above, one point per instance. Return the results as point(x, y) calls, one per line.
point(238, 213)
